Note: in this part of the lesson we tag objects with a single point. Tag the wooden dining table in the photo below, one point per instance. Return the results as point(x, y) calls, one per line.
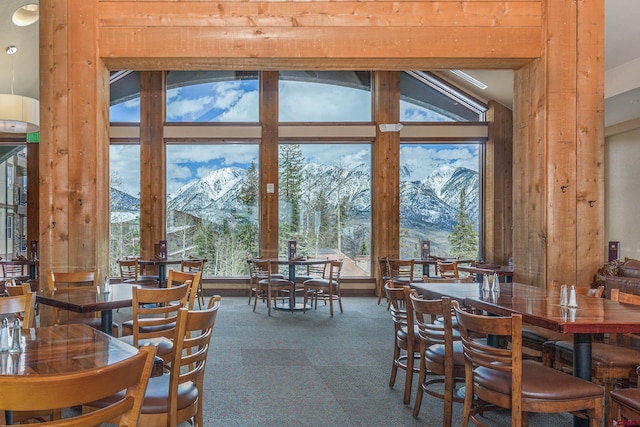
point(503, 271)
point(162, 267)
point(542, 308)
point(63, 349)
point(90, 299)
point(293, 263)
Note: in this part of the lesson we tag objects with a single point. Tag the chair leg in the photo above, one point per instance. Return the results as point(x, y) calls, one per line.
point(304, 301)
point(409, 377)
point(330, 302)
point(419, 392)
point(394, 366)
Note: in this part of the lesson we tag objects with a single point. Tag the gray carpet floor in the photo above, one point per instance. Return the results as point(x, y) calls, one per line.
point(313, 370)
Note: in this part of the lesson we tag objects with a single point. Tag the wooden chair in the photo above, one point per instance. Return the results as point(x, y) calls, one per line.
point(255, 276)
point(174, 278)
point(154, 317)
point(131, 272)
point(400, 271)
point(73, 282)
point(499, 377)
point(325, 289)
point(448, 269)
point(406, 349)
point(176, 396)
point(28, 319)
point(194, 279)
point(15, 271)
point(612, 363)
point(383, 275)
point(22, 306)
point(270, 285)
point(625, 403)
point(441, 360)
point(52, 392)
point(195, 265)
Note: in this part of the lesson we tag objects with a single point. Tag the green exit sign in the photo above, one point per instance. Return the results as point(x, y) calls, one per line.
point(33, 136)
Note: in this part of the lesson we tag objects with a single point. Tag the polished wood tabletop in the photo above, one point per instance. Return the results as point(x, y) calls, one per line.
point(64, 349)
point(593, 315)
point(542, 308)
point(89, 299)
point(500, 270)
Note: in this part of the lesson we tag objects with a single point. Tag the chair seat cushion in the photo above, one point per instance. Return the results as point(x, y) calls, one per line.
point(156, 398)
point(318, 282)
point(164, 346)
point(435, 354)
point(627, 396)
point(94, 322)
point(275, 282)
point(605, 355)
point(536, 379)
point(536, 334)
point(401, 337)
point(128, 325)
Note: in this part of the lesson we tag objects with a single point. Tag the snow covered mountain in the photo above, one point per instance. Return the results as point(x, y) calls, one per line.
point(431, 202)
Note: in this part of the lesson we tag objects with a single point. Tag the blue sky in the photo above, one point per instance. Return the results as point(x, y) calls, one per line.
point(236, 101)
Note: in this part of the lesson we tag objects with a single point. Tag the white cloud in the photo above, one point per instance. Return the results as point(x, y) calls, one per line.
point(303, 101)
point(189, 109)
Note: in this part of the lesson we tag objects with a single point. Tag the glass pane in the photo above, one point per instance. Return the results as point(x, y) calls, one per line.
point(124, 87)
point(212, 96)
point(13, 209)
point(124, 232)
point(435, 181)
point(325, 96)
point(325, 203)
point(212, 205)
point(422, 100)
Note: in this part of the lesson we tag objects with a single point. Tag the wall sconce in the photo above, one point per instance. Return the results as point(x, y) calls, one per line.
point(390, 127)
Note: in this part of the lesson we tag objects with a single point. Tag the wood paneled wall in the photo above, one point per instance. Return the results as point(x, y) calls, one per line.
point(555, 46)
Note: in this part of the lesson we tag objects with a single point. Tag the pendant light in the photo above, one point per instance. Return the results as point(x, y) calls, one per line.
point(18, 114)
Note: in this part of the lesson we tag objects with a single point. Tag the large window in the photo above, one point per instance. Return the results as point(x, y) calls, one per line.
point(439, 199)
point(324, 170)
point(212, 205)
point(325, 202)
point(325, 96)
point(124, 232)
point(212, 96)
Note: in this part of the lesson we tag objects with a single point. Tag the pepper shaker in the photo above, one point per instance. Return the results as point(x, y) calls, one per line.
point(4, 335)
point(15, 337)
point(573, 302)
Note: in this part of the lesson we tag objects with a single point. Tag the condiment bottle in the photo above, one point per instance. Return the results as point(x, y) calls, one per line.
point(4, 335)
point(15, 335)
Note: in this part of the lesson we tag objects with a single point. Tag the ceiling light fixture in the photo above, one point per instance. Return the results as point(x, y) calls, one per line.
point(26, 15)
point(470, 79)
point(18, 114)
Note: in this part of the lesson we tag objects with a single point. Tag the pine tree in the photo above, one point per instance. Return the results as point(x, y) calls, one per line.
point(463, 239)
point(291, 162)
point(249, 190)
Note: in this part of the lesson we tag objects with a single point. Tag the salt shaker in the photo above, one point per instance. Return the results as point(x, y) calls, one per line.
point(495, 284)
point(4, 335)
point(107, 287)
point(485, 283)
point(15, 335)
point(564, 297)
point(573, 302)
